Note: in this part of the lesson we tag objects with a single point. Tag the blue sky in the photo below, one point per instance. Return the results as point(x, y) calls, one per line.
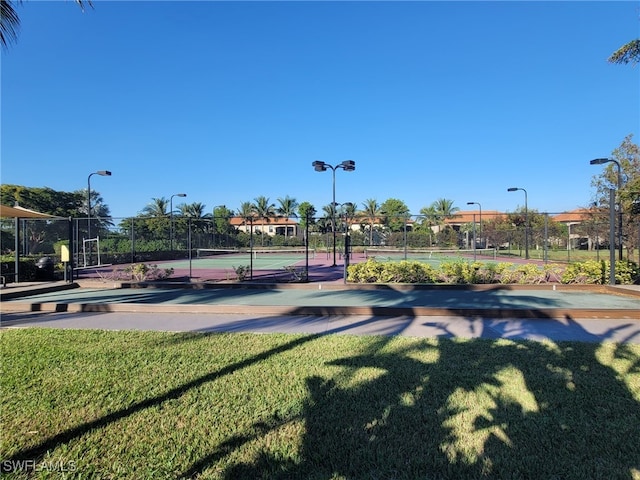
point(228, 101)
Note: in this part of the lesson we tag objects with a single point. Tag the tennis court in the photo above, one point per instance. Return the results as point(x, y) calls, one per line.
point(290, 265)
point(430, 256)
point(229, 264)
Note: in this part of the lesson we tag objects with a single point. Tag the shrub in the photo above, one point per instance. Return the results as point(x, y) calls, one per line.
point(242, 272)
point(531, 273)
point(627, 272)
point(139, 272)
point(404, 271)
point(408, 272)
point(458, 271)
point(365, 272)
point(464, 272)
point(591, 272)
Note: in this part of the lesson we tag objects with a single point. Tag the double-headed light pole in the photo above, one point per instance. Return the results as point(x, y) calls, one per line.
point(347, 166)
point(600, 161)
point(526, 220)
point(104, 173)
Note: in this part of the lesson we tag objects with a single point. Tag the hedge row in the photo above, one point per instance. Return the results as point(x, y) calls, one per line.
point(465, 272)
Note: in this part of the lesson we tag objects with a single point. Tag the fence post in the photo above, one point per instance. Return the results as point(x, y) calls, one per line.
point(612, 237)
point(69, 266)
point(16, 266)
point(404, 236)
point(545, 251)
point(133, 242)
point(306, 245)
point(189, 246)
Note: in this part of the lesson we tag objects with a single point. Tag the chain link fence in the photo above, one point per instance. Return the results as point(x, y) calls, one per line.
point(546, 237)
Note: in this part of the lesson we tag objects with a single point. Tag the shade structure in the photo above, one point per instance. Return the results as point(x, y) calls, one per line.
point(21, 212)
point(17, 213)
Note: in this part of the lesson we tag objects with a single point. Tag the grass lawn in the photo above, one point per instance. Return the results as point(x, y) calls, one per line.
point(150, 405)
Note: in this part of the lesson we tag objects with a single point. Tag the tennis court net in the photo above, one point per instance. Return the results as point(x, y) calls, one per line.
point(256, 253)
point(381, 253)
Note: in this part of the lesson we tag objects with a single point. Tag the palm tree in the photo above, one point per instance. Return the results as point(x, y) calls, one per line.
point(287, 209)
point(159, 224)
point(157, 207)
point(245, 212)
point(348, 212)
point(430, 219)
point(444, 208)
point(196, 212)
point(264, 211)
point(306, 213)
point(10, 21)
point(372, 213)
point(329, 215)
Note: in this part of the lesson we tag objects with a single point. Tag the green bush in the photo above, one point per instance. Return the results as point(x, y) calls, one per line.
point(464, 272)
point(242, 272)
point(627, 272)
point(597, 272)
point(459, 271)
point(591, 272)
point(366, 272)
point(142, 272)
point(409, 272)
point(404, 271)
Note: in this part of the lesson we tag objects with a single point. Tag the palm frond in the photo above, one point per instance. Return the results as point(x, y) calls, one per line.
point(9, 23)
point(628, 53)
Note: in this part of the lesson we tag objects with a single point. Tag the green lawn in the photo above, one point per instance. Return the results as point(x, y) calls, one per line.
point(149, 405)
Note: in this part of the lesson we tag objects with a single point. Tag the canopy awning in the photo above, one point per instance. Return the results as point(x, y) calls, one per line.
point(21, 212)
point(18, 212)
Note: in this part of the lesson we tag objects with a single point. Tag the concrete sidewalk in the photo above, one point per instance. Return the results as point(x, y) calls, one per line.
point(565, 329)
point(532, 313)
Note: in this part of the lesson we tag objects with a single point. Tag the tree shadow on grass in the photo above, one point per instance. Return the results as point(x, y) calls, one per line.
point(38, 451)
point(438, 409)
point(481, 410)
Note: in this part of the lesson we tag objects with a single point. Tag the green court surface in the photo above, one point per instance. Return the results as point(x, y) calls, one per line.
point(431, 257)
point(263, 261)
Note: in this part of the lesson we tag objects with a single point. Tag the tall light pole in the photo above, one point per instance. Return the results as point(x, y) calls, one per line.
point(526, 220)
point(600, 161)
point(347, 166)
point(480, 207)
point(171, 218)
point(104, 173)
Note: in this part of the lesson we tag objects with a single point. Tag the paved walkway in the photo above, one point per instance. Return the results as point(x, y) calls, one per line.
point(506, 301)
point(534, 312)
